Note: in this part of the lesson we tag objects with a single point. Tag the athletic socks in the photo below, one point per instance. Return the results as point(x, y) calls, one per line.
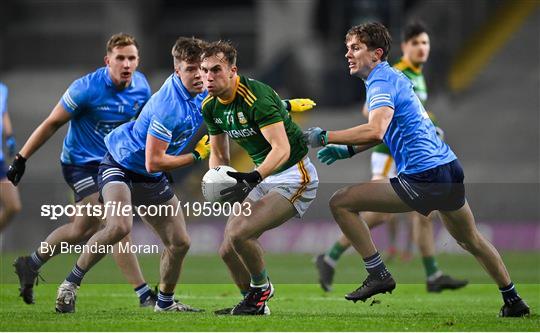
point(335, 252)
point(430, 266)
point(509, 294)
point(376, 267)
point(76, 275)
point(165, 299)
point(35, 261)
point(142, 291)
point(259, 280)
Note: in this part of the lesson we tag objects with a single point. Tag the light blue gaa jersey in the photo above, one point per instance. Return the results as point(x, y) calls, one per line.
point(3, 109)
point(97, 107)
point(411, 135)
point(171, 115)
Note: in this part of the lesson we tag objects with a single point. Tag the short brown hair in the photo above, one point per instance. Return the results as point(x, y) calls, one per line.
point(121, 40)
point(412, 30)
point(188, 49)
point(374, 35)
point(220, 46)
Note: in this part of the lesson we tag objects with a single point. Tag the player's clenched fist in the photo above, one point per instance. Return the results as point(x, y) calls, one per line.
point(300, 104)
point(202, 149)
point(16, 169)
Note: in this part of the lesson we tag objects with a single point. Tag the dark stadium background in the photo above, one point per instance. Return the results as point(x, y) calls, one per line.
point(482, 75)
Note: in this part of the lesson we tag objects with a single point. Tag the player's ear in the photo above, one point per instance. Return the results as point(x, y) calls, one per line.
point(176, 66)
point(106, 60)
point(234, 70)
point(377, 55)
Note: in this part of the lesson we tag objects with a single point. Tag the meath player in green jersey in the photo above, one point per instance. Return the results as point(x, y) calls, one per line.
point(283, 184)
point(415, 47)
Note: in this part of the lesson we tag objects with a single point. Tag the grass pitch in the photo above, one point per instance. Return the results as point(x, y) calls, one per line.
point(105, 303)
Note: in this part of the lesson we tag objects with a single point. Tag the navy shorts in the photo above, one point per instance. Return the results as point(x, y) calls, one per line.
point(144, 190)
point(439, 188)
point(81, 178)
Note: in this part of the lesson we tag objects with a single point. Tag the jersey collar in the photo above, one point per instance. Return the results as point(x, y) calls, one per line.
point(416, 69)
point(180, 88)
point(377, 68)
point(228, 101)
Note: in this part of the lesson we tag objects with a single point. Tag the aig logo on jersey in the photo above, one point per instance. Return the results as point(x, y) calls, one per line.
point(241, 118)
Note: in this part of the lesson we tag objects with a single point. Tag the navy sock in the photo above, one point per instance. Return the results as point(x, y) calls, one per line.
point(35, 261)
point(142, 291)
point(76, 275)
point(375, 266)
point(165, 299)
point(509, 294)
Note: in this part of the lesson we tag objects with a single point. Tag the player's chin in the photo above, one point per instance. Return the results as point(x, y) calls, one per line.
point(421, 59)
point(124, 82)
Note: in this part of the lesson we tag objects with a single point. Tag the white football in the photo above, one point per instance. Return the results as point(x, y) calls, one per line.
point(216, 180)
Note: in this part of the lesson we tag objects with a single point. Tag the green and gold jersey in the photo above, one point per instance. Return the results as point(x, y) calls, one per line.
point(420, 89)
point(417, 78)
point(253, 106)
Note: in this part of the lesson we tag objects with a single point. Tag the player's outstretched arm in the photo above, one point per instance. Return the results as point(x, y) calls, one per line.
point(219, 145)
point(365, 135)
point(299, 104)
point(157, 159)
point(58, 117)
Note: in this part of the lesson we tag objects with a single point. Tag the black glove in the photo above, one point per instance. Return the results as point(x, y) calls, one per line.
point(245, 182)
point(16, 169)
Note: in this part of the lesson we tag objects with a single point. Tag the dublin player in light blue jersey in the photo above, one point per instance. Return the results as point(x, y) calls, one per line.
point(10, 203)
point(132, 173)
point(429, 174)
point(92, 105)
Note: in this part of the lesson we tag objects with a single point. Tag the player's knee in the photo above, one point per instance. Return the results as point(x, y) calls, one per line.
point(336, 201)
point(118, 230)
point(12, 208)
point(236, 234)
point(179, 246)
point(86, 232)
point(226, 250)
